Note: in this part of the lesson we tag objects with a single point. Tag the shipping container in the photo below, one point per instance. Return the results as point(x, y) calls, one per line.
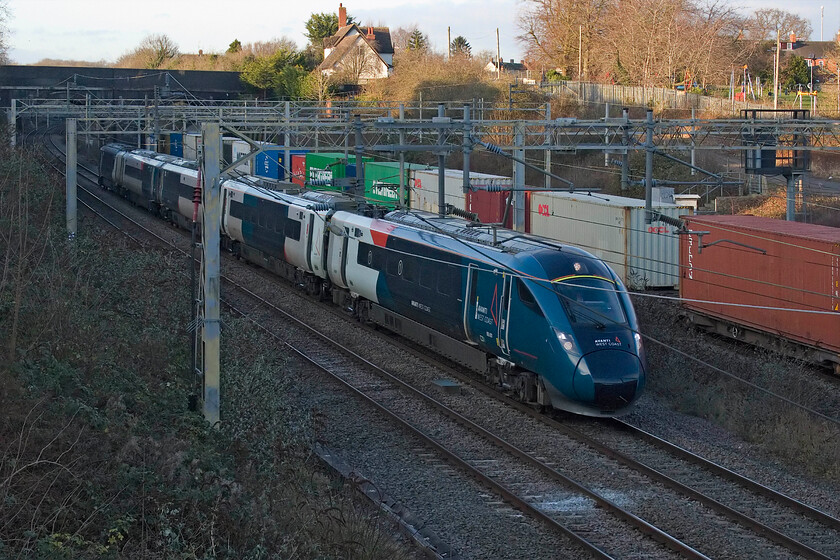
point(239, 149)
point(324, 168)
point(382, 182)
point(298, 168)
point(192, 145)
point(613, 228)
point(490, 207)
point(176, 144)
point(765, 266)
point(425, 189)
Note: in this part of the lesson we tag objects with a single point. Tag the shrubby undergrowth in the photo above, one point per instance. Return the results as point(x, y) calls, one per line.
point(100, 456)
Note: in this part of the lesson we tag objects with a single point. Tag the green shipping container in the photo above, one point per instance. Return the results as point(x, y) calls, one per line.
point(382, 182)
point(325, 167)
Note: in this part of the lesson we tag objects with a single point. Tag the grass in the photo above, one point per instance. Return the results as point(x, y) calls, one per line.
point(799, 438)
point(101, 457)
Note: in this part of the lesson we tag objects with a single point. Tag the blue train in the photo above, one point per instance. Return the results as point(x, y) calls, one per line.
point(549, 322)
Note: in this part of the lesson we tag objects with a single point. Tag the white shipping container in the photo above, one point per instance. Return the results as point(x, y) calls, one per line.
point(242, 148)
point(613, 228)
point(424, 183)
point(192, 143)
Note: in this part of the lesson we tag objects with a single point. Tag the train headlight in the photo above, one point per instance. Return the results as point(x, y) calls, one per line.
point(638, 339)
point(567, 342)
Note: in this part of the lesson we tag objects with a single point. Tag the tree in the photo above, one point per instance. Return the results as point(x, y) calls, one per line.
point(4, 32)
point(323, 25)
point(153, 52)
point(767, 21)
point(796, 72)
point(418, 41)
point(234, 47)
point(460, 47)
point(266, 73)
point(562, 33)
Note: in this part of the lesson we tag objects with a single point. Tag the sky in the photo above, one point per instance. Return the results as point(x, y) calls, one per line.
point(94, 30)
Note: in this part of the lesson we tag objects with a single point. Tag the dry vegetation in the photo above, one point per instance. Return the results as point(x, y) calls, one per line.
point(100, 456)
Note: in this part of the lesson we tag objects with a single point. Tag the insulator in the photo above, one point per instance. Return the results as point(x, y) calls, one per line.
point(320, 183)
point(496, 188)
point(452, 210)
point(319, 207)
point(197, 195)
point(493, 148)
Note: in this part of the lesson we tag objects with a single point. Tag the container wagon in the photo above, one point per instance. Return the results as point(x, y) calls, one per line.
point(777, 271)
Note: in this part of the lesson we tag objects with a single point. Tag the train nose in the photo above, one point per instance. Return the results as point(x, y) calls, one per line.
point(614, 377)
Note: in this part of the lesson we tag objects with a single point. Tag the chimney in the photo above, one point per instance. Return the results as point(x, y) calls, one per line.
point(511, 61)
point(342, 16)
point(370, 35)
point(793, 37)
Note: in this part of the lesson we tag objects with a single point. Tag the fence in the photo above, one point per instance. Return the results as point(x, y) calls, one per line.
point(661, 98)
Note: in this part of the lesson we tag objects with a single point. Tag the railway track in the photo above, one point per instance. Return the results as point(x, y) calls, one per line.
point(574, 482)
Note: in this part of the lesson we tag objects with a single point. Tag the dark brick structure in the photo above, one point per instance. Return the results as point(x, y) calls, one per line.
point(59, 82)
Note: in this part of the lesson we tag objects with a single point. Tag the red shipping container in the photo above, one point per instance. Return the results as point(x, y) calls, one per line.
point(771, 265)
point(489, 206)
point(298, 168)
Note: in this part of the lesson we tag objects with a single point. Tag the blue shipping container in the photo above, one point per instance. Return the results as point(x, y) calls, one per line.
point(270, 163)
point(176, 144)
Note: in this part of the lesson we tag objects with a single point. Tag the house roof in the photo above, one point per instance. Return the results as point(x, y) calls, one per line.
point(343, 41)
point(510, 66)
point(381, 38)
point(811, 49)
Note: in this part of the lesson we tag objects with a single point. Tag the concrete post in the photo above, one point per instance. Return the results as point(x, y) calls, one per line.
point(625, 156)
point(13, 122)
point(402, 159)
point(441, 167)
point(649, 167)
point(70, 174)
point(360, 164)
point(519, 177)
point(547, 152)
point(287, 154)
point(466, 146)
point(790, 208)
point(211, 325)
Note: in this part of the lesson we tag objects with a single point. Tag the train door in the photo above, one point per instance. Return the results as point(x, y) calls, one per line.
point(486, 308)
point(504, 314)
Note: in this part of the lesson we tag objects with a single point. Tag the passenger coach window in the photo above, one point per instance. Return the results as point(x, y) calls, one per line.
point(448, 280)
point(292, 230)
point(527, 297)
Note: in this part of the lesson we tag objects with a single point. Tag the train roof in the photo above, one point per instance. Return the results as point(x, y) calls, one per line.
point(498, 238)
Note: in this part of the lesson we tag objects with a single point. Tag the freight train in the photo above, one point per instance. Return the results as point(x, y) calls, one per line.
point(551, 323)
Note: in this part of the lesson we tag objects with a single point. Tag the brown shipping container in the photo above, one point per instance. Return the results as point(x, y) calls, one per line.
point(298, 168)
point(800, 270)
point(489, 206)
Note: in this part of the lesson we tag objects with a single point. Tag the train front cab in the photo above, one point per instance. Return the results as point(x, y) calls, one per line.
point(578, 333)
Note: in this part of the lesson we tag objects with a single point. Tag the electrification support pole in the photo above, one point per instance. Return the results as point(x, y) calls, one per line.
point(466, 146)
point(70, 175)
point(13, 123)
point(287, 140)
point(625, 156)
point(402, 159)
point(547, 151)
point(790, 209)
point(360, 166)
point(776, 72)
point(606, 135)
point(693, 151)
point(157, 119)
point(210, 237)
point(649, 148)
point(519, 177)
point(441, 166)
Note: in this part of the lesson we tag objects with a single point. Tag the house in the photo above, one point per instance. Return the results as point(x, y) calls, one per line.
point(819, 54)
point(518, 69)
point(358, 54)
